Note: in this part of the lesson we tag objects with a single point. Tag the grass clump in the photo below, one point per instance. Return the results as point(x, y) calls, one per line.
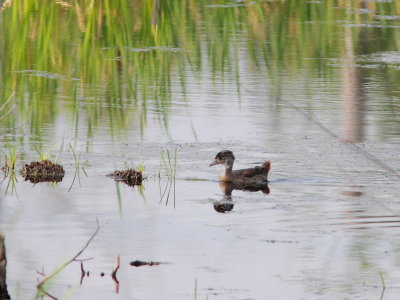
point(9, 160)
point(168, 163)
point(130, 176)
point(42, 171)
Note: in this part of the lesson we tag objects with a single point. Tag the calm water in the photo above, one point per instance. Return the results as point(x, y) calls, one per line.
point(266, 80)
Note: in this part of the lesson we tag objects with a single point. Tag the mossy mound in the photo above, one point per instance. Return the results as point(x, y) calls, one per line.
point(130, 177)
point(42, 171)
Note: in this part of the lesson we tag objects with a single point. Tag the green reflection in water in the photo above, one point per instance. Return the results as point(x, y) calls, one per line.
point(117, 59)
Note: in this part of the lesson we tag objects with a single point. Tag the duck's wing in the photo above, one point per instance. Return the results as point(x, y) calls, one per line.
point(253, 172)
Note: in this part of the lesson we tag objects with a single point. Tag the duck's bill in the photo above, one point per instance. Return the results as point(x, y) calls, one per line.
point(214, 163)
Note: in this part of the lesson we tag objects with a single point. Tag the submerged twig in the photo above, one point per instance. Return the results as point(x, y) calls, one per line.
point(115, 268)
point(84, 259)
point(82, 273)
point(114, 274)
point(40, 284)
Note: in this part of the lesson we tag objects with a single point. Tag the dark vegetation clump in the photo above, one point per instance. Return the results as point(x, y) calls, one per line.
point(130, 177)
point(42, 171)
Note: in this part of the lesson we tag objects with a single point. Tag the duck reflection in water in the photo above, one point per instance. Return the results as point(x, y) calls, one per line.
point(226, 204)
point(253, 179)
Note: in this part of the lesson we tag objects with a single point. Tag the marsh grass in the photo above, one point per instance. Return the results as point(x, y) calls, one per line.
point(8, 168)
point(382, 280)
point(3, 112)
point(84, 166)
point(140, 167)
point(11, 183)
point(119, 199)
point(195, 296)
point(45, 155)
point(195, 289)
point(140, 189)
point(383, 285)
point(78, 166)
point(76, 51)
point(168, 168)
point(10, 157)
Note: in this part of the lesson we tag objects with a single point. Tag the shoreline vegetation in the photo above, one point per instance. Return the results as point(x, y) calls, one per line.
point(119, 59)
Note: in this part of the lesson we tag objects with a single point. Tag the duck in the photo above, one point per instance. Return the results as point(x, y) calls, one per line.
point(244, 176)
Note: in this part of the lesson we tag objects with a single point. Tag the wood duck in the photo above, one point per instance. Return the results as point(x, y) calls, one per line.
point(252, 175)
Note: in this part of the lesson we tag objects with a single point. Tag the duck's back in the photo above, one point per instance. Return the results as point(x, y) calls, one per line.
point(259, 173)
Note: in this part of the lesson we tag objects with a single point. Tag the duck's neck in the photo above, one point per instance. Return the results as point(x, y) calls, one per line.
point(227, 173)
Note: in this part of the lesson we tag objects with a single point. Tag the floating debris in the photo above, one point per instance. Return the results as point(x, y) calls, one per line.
point(280, 242)
point(42, 171)
point(352, 193)
point(130, 177)
point(139, 263)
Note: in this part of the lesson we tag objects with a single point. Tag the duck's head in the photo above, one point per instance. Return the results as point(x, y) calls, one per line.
point(225, 157)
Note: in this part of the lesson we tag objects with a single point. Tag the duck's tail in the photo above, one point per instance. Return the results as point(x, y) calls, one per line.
point(266, 165)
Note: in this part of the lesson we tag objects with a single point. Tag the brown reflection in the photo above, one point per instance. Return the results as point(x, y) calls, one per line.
point(352, 193)
point(3, 263)
point(226, 204)
point(352, 93)
point(228, 187)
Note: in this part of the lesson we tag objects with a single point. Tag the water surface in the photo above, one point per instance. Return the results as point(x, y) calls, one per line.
point(297, 84)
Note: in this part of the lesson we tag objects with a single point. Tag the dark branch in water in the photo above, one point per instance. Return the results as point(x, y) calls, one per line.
point(115, 268)
point(84, 259)
point(82, 273)
point(114, 274)
point(40, 287)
